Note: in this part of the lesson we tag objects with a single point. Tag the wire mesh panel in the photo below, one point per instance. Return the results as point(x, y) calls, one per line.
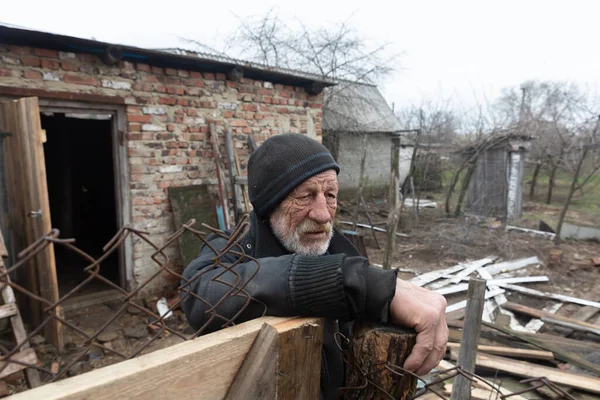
point(87, 344)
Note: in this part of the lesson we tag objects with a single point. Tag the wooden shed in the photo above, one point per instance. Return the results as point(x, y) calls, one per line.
point(496, 186)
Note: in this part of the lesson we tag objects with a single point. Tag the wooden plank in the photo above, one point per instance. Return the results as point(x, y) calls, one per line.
point(536, 324)
point(468, 344)
point(31, 375)
point(26, 174)
point(238, 168)
point(462, 304)
point(551, 318)
point(492, 305)
point(444, 365)
point(529, 370)
point(462, 287)
point(583, 314)
point(204, 367)
point(480, 393)
point(61, 95)
point(376, 229)
point(256, 377)
point(432, 276)
point(547, 235)
point(8, 310)
point(461, 275)
point(236, 192)
point(559, 352)
point(510, 352)
point(26, 356)
point(512, 265)
point(300, 346)
point(554, 296)
point(3, 250)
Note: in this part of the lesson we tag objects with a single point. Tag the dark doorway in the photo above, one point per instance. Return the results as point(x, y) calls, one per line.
point(81, 188)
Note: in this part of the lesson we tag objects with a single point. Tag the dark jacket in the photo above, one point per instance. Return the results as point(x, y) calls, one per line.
point(339, 286)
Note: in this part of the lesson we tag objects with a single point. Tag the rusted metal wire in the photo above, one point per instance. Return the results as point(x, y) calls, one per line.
point(435, 378)
point(87, 342)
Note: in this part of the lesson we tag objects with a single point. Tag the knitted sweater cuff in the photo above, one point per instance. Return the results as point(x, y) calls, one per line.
point(317, 286)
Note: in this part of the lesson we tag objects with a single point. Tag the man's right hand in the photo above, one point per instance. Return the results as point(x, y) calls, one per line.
point(424, 311)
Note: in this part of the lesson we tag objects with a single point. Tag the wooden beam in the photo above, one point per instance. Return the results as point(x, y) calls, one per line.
point(462, 304)
point(204, 367)
point(529, 370)
point(510, 352)
point(59, 95)
point(8, 310)
point(559, 352)
point(552, 318)
point(26, 356)
point(512, 265)
point(394, 203)
point(583, 314)
point(432, 276)
point(448, 365)
point(468, 344)
point(554, 296)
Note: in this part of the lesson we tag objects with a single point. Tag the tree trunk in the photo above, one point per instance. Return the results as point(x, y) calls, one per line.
point(551, 184)
point(371, 349)
point(563, 212)
point(536, 172)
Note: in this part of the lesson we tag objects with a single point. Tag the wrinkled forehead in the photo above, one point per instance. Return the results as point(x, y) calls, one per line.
point(326, 180)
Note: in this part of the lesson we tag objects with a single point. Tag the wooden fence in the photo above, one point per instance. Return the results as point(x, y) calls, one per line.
point(270, 358)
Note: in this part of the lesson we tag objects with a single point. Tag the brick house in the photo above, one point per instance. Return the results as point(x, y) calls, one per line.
point(124, 124)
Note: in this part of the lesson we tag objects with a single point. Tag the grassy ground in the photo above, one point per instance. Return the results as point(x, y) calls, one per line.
point(584, 208)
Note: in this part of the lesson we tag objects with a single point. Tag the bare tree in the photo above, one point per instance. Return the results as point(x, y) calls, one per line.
point(337, 51)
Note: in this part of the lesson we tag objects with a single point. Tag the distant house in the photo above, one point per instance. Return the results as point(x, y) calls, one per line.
point(496, 187)
point(350, 111)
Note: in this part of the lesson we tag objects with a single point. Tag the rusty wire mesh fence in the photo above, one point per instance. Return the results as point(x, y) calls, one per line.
point(86, 343)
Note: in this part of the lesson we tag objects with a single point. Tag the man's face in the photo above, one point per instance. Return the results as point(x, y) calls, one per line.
point(303, 222)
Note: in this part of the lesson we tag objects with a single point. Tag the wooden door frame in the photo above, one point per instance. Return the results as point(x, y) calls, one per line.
point(120, 169)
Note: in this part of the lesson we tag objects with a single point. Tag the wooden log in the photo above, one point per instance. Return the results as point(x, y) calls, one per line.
point(371, 349)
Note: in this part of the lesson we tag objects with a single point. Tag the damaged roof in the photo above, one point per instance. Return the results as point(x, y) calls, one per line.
point(173, 58)
point(358, 108)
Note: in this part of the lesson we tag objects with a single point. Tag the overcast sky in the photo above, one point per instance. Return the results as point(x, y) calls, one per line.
point(463, 50)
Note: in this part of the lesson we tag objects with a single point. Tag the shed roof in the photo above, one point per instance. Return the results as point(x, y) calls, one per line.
point(358, 108)
point(174, 58)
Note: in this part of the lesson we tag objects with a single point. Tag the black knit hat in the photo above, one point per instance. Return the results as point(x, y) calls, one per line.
point(282, 163)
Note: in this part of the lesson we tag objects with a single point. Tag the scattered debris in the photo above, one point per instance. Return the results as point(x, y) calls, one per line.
point(571, 231)
point(409, 202)
point(163, 308)
point(135, 332)
point(548, 235)
point(373, 228)
point(596, 261)
point(107, 336)
point(79, 368)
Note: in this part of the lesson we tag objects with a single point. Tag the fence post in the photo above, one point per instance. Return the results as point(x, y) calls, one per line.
point(461, 390)
point(394, 214)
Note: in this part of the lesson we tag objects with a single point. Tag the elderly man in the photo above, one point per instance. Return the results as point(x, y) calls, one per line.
point(307, 267)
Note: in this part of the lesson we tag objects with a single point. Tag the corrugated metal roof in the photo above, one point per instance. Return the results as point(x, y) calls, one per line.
point(357, 108)
point(178, 58)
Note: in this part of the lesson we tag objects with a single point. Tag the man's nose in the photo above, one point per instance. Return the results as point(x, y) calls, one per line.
point(318, 211)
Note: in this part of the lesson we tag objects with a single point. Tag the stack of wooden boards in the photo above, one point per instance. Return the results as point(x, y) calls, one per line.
point(508, 351)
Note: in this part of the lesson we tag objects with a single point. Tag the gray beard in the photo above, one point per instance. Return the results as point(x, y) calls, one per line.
point(292, 243)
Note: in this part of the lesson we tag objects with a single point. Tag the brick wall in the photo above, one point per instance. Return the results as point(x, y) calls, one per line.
point(168, 114)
